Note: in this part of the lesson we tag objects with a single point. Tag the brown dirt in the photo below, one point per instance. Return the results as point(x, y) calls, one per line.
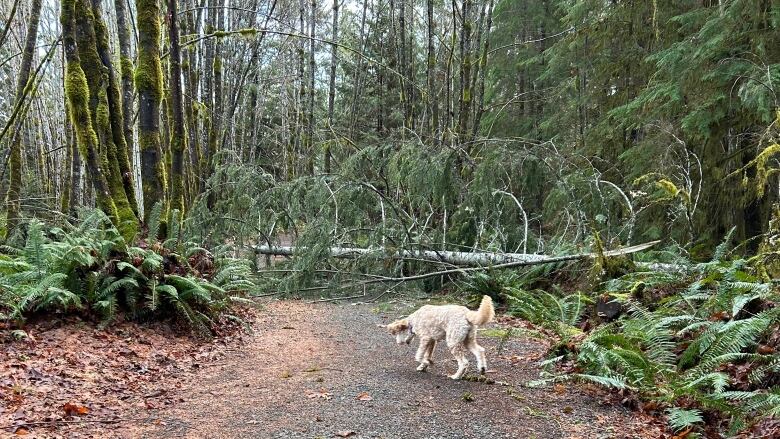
point(328, 371)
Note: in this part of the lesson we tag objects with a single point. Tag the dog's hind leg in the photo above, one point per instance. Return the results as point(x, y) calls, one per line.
point(459, 353)
point(422, 354)
point(479, 353)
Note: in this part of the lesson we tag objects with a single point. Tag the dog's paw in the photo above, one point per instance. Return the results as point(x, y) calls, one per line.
point(454, 377)
point(422, 368)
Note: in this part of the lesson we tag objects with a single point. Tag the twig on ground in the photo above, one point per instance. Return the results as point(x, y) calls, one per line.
point(75, 421)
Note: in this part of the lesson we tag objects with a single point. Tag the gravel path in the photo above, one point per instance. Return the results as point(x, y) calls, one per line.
point(324, 371)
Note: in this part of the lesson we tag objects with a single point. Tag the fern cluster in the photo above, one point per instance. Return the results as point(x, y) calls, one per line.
point(709, 345)
point(90, 269)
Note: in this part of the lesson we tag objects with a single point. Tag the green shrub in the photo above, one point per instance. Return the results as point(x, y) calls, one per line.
point(90, 269)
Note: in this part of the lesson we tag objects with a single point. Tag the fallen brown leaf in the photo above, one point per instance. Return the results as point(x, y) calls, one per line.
point(74, 409)
point(683, 434)
point(364, 396)
point(345, 433)
point(21, 431)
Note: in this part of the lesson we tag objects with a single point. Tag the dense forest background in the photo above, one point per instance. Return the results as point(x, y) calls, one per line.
point(507, 125)
point(159, 157)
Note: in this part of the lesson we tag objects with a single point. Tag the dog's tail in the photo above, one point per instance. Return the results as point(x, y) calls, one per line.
point(484, 314)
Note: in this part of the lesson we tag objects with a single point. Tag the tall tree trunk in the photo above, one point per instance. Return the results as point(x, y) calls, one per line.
point(403, 63)
point(22, 82)
point(8, 22)
point(126, 72)
point(148, 83)
point(76, 196)
point(464, 109)
point(105, 108)
point(358, 71)
point(208, 92)
point(77, 92)
point(332, 88)
point(121, 153)
point(433, 95)
point(483, 59)
point(191, 79)
point(310, 109)
point(178, 139)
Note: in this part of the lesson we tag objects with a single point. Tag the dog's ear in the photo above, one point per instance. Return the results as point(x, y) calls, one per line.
point(398, 326)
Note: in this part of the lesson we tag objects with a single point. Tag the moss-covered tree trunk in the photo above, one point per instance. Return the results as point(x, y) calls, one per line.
point(22, 82)
point(178, 139)
point(77, 93)
point(208, 93)
point(105, 110)
point(116, 112)
point(126, 72)
point(148, 83)
point(191, 78)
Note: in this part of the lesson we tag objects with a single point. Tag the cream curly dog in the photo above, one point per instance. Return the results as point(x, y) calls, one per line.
point(454, 323)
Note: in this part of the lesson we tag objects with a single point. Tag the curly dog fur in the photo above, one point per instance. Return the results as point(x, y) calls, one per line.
point(454, 323)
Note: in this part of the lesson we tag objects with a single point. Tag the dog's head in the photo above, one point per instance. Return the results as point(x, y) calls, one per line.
point(400, 329)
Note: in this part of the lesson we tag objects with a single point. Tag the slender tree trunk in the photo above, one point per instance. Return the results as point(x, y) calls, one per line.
point(403, 66)
point(77, 92)
point(189, 67)
point(483, 59)
point(310, 109)
point(358, 71)
point(464, 109)
point(22, 82)
point(148, 82)
point(433, 95)
point(126, 72)
point(332, 88)
point(178, 139)
point(76, 196)
point(67, 167)
point(8, 22)
point(119, 155)
point(208, 93)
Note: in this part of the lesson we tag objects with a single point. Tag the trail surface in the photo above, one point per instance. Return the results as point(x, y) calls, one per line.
point(325, 371)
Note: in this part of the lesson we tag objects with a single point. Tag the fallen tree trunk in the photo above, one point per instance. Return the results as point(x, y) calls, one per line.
point(468, 259)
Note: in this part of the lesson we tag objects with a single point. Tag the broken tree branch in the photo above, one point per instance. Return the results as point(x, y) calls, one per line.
point(477, 260)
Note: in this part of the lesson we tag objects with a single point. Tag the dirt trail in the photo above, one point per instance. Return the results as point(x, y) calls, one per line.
point(302, 374)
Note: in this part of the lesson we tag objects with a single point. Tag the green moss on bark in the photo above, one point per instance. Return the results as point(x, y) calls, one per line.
point(148, 82)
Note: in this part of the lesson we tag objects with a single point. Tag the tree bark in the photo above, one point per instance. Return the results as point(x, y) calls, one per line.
point(483, 59)
point(433, 95)
point(332, 88)
point(126, 73)
point(148, 83)
point(464, 108)
point(309, 147)
point(178, 139)
point(119, 154)
point(452, 257)
point(22, 82)
point(77, 93)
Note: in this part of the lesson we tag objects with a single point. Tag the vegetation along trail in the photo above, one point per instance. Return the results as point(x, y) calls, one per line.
point(608, 172)
point(323, 370)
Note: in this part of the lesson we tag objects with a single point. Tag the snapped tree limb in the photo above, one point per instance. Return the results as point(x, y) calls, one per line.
point(467, 259)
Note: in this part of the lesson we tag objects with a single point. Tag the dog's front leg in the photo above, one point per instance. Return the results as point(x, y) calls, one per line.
point(422, 354)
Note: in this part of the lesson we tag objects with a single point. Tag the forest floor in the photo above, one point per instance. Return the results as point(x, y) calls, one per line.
point(307, 371)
